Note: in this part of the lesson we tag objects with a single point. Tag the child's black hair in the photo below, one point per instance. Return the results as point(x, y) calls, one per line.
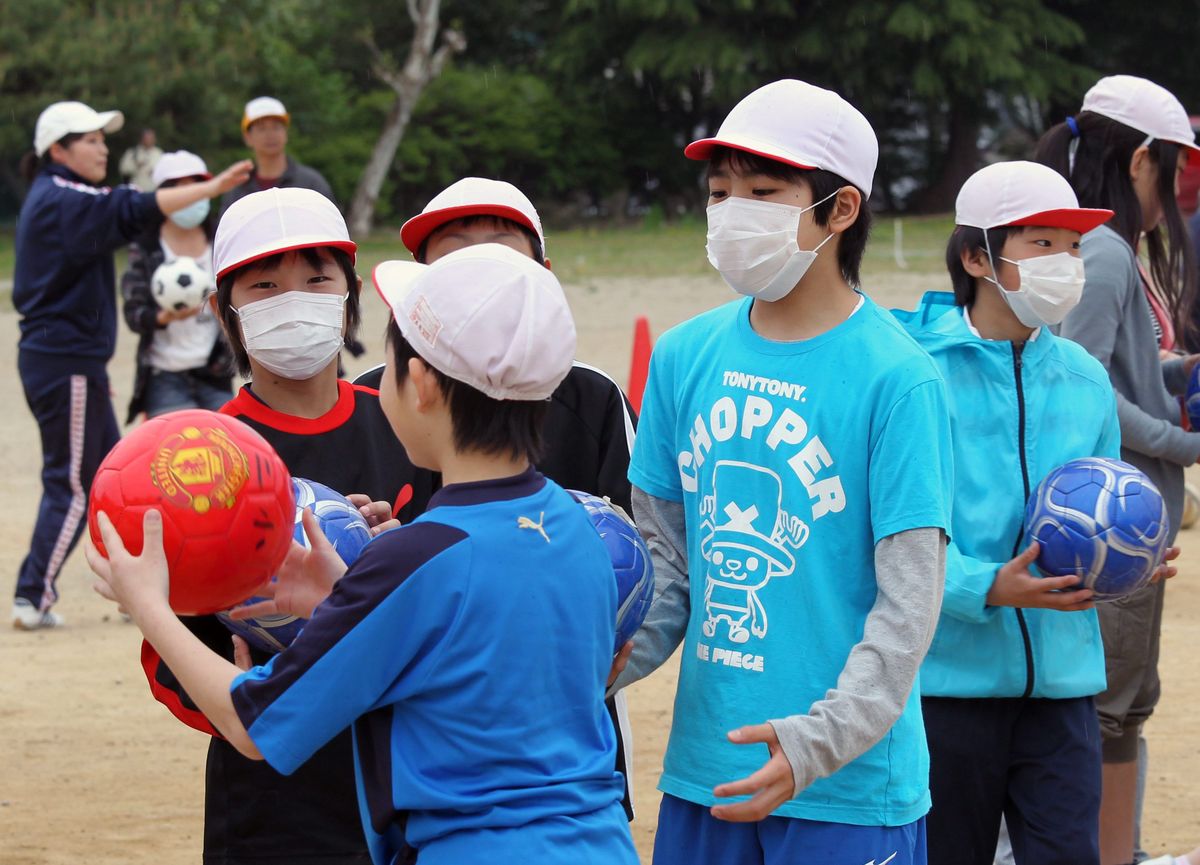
point(32, 164)
point(967, 238)
point(851, 243)
point(312, 256)
point(499, 427)
point(1099, 174)
point(539, 254)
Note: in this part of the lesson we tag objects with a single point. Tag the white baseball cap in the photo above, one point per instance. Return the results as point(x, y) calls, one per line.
point(1023, 193)
point(484, 315)
point(1143, 105)
point(178, 165)
point(264, 106)
point(472, 196)
point(796, 123)
point(277, 220)
point(65, 118)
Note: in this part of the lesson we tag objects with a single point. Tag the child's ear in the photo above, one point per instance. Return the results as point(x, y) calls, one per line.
point(425, 383)
point(846, 206)
point(547, 263)
point(975, 263)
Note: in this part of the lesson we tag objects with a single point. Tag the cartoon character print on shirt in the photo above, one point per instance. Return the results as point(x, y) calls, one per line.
point(745, 538)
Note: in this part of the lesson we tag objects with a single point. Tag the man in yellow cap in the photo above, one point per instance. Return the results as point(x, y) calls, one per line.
point(265, 124)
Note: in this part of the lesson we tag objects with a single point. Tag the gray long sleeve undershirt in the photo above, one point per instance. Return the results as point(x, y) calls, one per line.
point(879, 673)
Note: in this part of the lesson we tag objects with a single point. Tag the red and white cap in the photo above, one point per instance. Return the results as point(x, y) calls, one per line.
point(1023, 193)
point(472, 196)
point(484, 315)
point(799, 124)
point(264, 106)
point(1144, 106)
point(66, 118)
point(277, 220)
point(177, 166)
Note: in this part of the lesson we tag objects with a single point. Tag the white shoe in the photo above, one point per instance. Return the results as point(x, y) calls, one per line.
point(27, 617)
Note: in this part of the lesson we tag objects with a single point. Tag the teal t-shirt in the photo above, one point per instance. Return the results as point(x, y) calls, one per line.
point(792, 460)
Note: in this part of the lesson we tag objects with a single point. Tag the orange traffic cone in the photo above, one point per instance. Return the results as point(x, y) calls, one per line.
point(639, 365)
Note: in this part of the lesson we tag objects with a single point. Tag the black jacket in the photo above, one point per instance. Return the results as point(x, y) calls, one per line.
point(141, 314)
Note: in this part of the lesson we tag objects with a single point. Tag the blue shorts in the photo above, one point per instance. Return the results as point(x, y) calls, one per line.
point(689, 835)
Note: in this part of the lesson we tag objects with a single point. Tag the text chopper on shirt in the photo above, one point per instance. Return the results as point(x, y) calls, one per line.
point(791, 460)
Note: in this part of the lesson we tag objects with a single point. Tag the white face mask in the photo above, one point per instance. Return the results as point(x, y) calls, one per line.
point(295, 334)
point(1051, 286)
point(753, 245)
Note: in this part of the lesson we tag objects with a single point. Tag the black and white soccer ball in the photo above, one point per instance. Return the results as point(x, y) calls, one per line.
point(180, 285)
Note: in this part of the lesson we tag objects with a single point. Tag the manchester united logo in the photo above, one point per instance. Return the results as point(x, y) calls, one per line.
point(199, 468)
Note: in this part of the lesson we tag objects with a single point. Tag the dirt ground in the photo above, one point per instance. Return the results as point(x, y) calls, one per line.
point(93, 770)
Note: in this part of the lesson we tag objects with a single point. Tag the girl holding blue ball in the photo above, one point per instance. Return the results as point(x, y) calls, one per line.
point(1016, 658)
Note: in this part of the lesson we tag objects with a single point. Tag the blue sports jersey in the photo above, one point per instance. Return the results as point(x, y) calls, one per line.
point(792, 460)
point(469, 649)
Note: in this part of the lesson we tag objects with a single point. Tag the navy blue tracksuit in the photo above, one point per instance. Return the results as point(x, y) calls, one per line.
point(64, 288)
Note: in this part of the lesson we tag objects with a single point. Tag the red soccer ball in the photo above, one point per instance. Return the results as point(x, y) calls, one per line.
point(225, 498)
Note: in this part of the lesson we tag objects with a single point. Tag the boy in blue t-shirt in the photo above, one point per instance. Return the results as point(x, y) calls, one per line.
point(425, 644)
point(792, 474)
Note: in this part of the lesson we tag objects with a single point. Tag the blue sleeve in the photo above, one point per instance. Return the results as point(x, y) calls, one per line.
point(911, 473)
point(99, 221)
point(1109, 444)
point(968, 581)
point(655, 464)
point(375, 635)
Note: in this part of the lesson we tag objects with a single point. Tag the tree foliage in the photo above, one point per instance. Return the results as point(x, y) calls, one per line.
point(585, 104)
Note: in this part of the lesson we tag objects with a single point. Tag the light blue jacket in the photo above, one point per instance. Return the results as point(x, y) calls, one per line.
point(1015, 414)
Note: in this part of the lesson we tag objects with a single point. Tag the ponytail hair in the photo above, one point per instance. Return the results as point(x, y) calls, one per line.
point(32, 165)
point(1094, 152)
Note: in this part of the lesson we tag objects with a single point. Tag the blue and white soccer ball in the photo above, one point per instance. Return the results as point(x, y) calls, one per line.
point(630, 560)
point(346, 530)
point(1101, 519)
point(1191, 402)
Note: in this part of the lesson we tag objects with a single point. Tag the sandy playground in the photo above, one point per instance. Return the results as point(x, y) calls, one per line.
point(93, 770)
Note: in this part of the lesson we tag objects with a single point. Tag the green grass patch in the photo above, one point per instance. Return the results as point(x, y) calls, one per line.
point(649, 250)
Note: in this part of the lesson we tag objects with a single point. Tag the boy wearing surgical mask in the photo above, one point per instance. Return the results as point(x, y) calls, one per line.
point(1017, 658)
point(182, 359)
point(792, 472)
point(288, 297)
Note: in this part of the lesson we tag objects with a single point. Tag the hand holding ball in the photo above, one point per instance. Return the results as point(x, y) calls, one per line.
point(225, 498)
point(1102, 520)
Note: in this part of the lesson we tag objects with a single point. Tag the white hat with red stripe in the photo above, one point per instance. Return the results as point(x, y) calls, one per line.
point(1023, 193)
point(799, 124)
point(485, 315)
point(277, 220)
point(1144, 106)
point(177, 166)
point(472, 196)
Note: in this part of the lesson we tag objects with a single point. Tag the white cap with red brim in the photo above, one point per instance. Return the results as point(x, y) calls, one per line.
point(472, 196)
point(277, 220)
point(801, 125)
point(177, 166)
point(484, 315)
point(1023, 193)
point(1145, 106)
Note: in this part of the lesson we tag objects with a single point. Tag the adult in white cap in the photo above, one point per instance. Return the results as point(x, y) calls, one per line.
point(265, 126)
point(793, 462)
point(64, 290)
point(288, 296)
point(1017, 658)
point(137, 163)
point(417, 639)
point(182, 360)
point(1123, 151)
